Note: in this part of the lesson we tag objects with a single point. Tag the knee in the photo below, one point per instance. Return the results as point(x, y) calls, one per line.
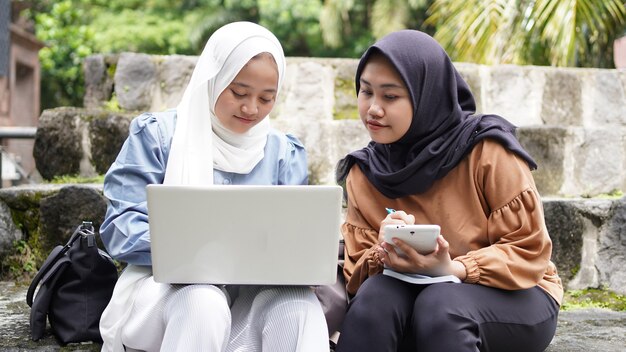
point(199, 301)
point(295, 299)
point(436, 308)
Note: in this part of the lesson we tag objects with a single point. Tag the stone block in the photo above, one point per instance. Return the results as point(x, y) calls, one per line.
point(78, 142)
point(514, 92)
point(596, 161)
point(62, 212)
point(58, 147)
point(98, 81)
point(307, 93)
point(174, 72)
point(135, 81)
point(589, 245)
point(603, 99)
point(547, 146)
point(326, 144)
point(8, 231)
point(106, 136)
point(471, 73)
point(561, 103)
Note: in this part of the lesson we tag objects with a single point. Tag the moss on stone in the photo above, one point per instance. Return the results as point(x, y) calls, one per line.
point(345, 101)
point(593, 298)
point(74, 179)
point(112, 104)
point(20, 265)
point(111, 70)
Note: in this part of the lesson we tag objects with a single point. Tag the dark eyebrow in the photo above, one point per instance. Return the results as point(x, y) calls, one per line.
point(386, 85)
point(243, 85)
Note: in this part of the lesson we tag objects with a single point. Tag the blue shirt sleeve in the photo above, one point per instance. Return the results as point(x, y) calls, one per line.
point(142, 160)
point(293, 168)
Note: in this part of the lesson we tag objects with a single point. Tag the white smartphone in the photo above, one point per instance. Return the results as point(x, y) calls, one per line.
point(421, 237)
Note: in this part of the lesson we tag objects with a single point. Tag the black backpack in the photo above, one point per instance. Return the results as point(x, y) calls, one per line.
point(75, 285)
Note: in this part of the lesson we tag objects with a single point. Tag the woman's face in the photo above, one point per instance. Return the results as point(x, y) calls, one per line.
point(250, 97)
point(383, 100)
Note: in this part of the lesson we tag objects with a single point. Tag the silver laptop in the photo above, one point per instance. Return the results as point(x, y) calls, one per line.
point(274, 235)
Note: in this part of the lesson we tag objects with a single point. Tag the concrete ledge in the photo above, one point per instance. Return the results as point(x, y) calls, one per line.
point(581, 330)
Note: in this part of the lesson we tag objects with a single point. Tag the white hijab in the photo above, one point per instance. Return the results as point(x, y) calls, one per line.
point(201, 143)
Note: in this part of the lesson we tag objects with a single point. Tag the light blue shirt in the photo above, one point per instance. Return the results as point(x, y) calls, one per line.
point(142, 161)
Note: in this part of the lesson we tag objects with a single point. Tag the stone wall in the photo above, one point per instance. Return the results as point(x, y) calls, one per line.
point(571, 120)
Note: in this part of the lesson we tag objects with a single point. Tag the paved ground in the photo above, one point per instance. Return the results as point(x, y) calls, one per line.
point(582, 330)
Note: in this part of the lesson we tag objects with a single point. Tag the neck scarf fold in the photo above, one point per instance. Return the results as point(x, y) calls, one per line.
point(444, 127)
point(201, 143)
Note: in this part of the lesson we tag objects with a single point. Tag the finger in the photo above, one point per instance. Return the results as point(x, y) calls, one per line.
point(442, 245)
point(388, 221)
point(382, 255)
point(403, 216)
point(392, 258)
point(405, 247)
point(389, 249)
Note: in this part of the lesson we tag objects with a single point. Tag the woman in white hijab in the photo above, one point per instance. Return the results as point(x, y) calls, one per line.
point(223, 137)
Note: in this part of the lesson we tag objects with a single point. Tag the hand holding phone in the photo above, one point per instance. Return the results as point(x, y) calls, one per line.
point(423, 238)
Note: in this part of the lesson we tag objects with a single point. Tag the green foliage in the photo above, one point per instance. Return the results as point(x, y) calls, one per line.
point(295, 22)
point(559, 33)
point(20, 264)
point(68, 41)
point(138, 31)
point(593, 298)
point(538, 32)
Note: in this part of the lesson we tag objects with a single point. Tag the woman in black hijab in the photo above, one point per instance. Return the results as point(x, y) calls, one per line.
point(438, 162)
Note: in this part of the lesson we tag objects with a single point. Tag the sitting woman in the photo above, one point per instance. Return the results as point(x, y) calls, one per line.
point(218, 134)
point(437, 161)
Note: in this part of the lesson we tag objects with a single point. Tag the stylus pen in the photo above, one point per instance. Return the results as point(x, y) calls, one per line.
point(389, 210)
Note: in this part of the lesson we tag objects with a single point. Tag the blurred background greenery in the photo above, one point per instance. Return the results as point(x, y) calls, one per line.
point(577, 33)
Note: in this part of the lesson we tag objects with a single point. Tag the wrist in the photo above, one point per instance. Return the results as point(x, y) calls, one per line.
point(458, 270)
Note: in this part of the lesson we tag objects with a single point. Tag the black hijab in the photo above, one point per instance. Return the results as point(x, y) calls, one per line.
point(444, 127)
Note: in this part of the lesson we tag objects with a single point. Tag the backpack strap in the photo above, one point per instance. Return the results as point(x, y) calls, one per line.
point(57, 253)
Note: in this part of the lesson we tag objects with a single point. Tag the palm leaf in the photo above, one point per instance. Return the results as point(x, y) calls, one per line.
point(477, 30)
point(388, 16)
point(333, 17)
point(572, 28)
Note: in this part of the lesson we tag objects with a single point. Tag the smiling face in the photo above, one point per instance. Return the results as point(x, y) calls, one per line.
point(383, 100)
point(250, 97)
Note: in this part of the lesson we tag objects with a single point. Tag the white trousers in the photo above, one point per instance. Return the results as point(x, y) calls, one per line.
point(198, 318)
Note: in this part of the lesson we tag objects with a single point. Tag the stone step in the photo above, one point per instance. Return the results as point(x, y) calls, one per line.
point(579, 330)
point(587, 234)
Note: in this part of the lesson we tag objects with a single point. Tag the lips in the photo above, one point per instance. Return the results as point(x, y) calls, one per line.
point(375, 125)
point(244, 120)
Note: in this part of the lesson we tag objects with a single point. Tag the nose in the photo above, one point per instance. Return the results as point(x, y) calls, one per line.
point(249, 108)
point(376, 111)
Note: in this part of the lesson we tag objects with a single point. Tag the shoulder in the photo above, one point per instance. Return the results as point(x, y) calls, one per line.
point(489, 152)
point(154, 127)
point(283, 142)
point(163, 122)
point(502, 173)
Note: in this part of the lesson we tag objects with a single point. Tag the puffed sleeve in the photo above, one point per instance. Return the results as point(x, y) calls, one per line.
point(293, 164)
point(141, 161)
point(520, 247)
point(361, 243)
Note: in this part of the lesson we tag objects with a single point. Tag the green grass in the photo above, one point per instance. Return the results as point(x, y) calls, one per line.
point(76, 180)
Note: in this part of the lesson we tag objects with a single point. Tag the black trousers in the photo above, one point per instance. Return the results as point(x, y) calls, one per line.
point(391, 315)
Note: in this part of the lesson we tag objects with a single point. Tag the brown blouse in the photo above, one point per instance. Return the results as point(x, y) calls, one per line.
point(489, 211)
